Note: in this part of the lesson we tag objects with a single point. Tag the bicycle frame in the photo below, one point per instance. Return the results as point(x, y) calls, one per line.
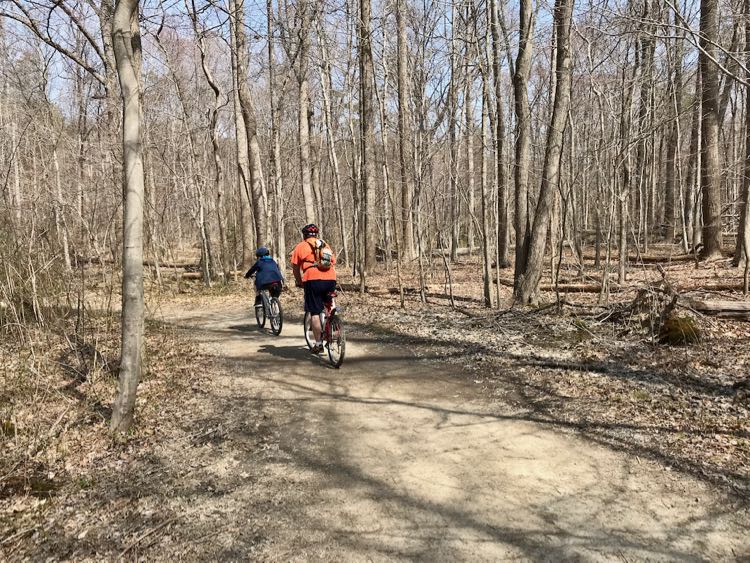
point(325, 317)
point(265, 299)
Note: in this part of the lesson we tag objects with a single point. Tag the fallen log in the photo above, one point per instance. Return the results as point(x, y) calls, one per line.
point(374, 290)
point(568, 287)
point(723, 286)
point(199, 275)
point(463, 251)
point(725, 309)
point(172, 265)
point(649, 259)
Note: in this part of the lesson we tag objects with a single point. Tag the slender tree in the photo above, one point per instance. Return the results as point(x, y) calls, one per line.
point(404, 136)
point(710, 160)
point(126, 40)
point(529, 286)
point(523, 136)
point(501, 179)
point(367, 133)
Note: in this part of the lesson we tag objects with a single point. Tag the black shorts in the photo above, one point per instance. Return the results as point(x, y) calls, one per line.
point(274, 288)
point(316, 295)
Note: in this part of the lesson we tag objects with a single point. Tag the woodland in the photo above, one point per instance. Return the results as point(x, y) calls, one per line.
point(572, 174)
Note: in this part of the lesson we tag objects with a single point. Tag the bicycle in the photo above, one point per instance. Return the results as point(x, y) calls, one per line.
point(333, 331)
point(270, 308)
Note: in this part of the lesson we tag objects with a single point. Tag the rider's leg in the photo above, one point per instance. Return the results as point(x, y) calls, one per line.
point(317, 329)
point(314, 306)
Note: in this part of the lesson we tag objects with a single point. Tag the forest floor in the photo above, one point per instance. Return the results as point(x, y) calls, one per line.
point(448, 434)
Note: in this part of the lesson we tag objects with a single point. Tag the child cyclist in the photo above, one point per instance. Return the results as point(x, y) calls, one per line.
point(267, 274)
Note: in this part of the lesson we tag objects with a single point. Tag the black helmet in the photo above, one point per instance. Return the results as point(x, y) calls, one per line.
point(262, 251)
point(310, 230)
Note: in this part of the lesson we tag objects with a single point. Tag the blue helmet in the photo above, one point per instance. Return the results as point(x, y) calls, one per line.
point(262, 251)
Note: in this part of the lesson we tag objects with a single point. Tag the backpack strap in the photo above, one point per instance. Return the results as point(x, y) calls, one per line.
point(313, 263)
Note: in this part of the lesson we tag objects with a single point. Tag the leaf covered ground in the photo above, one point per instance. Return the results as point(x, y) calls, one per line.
point(68, 491)
point(597, 369)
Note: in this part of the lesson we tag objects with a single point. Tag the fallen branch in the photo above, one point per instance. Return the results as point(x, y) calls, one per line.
point(379, 290)
point(724, 286)
point(724, 309)
point(143, 536)
point(199, 275)
point(569, 287)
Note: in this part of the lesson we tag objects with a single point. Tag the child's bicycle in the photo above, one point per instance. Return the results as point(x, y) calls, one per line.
point(333, 331)
point(270, 308)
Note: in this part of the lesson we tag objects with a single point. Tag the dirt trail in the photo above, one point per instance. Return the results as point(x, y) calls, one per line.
point(395, 457)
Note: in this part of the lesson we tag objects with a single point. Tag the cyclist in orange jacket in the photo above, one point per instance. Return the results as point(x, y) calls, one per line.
point(317, 276)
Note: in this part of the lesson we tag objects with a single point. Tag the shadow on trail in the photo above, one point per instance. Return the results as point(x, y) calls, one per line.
point(606, 434)
point(246, 328)
point(288, 352)
point(284, 419)
point(377, 515)
point(539, 403)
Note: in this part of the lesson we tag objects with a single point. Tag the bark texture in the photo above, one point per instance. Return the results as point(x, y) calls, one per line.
point(528, 287)
point(127, 47)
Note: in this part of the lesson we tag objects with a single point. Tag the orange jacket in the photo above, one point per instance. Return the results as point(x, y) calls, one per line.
point(304, 257)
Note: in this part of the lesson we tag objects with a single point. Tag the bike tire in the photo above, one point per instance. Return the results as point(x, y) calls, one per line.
point(277, 316)
point(307, 329)
point(260, 315)
point(336, 342)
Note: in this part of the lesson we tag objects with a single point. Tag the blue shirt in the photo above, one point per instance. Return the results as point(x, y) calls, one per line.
point(266, 272)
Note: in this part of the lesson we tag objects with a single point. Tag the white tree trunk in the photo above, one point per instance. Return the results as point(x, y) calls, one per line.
point(127, 47)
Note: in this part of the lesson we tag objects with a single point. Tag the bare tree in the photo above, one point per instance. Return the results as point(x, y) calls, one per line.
point(523, 136)
point(500, 175)
point(743, 237)
point(127, 47)
point(247, 111)
point(404, 136)
point(710, 160)
point(367, 132)
point(303, 13)
point(528, 288)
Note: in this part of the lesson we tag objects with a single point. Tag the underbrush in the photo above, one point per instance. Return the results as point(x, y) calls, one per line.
point(57, 385)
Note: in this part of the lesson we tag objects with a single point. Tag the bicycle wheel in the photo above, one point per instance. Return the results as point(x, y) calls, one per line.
point(307, 328)
point(260, 313)
point(336, 342)
point(276, 316)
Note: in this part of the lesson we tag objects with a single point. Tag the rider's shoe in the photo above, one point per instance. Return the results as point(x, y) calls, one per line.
point(316, 349)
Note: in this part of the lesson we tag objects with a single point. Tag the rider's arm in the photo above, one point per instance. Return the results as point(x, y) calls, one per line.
point(297, 274)
point(251, 271)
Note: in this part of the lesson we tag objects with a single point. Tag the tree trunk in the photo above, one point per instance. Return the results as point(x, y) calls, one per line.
point(367, 132)
point(57, 208)
point(486, 256)
point(326, 87)
point(454, 220)
point(743, 234)
point(404, 138)
point(529, 285)
point(243, 164)
point(469, 135)
point(247, 109)
point(275, 153)
point(127, 46)
point(523, 137)
point(500, 175)
point(213, 117)
point(710, 161)
point(303, 10)
point(673, 144)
